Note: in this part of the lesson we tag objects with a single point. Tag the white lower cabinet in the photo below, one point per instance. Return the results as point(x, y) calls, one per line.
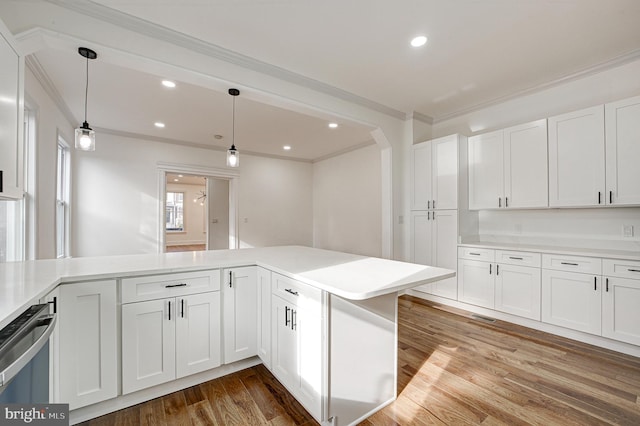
point(87, 343)
point(476, 283)
point(240, 311)
point(297, 341)
point(507, 281)
point(572, 300)
point(169, 338)
point(620, 301)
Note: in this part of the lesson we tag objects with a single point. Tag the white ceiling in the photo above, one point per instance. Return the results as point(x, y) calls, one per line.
point(479, 51)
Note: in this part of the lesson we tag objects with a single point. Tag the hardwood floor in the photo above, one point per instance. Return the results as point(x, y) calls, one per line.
point(452, 370)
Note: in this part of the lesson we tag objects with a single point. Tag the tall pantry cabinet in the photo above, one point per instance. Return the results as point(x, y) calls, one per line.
point(434, 208)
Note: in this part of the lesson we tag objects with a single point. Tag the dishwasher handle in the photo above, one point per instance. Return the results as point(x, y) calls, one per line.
point(23, 359)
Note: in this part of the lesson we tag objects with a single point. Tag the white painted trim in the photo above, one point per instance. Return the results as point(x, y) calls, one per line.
point(386, 200)
point(232, 175)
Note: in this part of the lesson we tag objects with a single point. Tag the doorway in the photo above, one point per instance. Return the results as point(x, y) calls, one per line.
point(198, 210)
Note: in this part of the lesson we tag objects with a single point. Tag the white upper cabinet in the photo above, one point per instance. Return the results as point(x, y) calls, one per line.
point(577, 158)
point(508, 168)
point(623, 152)
point(486, 174)
point(434, 174)
point(525, 165)
point(421, 176)
point(11, 116)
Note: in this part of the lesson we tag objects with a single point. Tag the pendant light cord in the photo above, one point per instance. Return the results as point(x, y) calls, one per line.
point(86, 91)
point(233, 124)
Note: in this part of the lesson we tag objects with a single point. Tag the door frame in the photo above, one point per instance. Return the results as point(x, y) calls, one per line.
point(233, 176)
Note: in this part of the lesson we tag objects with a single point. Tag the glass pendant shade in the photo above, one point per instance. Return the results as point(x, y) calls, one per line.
point(85, 138)
point(233, 157)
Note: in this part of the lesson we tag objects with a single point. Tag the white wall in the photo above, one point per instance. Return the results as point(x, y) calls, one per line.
point(218, 198)
point(50, 123)
point(347, 202)
point(193, 215)
point(590, 228)
point(116, 207)
point(275, 202)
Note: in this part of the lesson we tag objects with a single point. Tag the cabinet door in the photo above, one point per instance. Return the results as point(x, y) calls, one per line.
point(525, 164)
point(620, 313)
point(623, 152)
point(284, 343)
point(421, 176)
point(445, 250)
point(486, 172)
point(240, 307)
point(518, 290)
point(572, 300)
point(198, 319)
point(87, 343)
point(421, 241)
point(476, 282)
point(11, 116)
point(148, 344)
point(307, 324)
point(264, 316)
point(444, 172)
point(576, 158)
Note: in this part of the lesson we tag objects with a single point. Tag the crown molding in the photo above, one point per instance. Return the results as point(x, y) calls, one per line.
point(45, 81)
point(165, 34)
point(618, 61)
point(415, 115)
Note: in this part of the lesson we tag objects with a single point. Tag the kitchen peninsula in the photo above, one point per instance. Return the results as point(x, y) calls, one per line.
point(324, 323)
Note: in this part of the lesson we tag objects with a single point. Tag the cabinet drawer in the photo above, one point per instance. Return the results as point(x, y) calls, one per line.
point(292, 290)
point(471, 253)
point(169, 285)
point(621, 268)
point(518, 258)
point(586, 265)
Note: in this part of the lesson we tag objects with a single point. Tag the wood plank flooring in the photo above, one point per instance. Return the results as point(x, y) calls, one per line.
point(452, 370)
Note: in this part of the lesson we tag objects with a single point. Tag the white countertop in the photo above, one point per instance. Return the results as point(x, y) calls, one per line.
point(573, 251)
point(346, 275)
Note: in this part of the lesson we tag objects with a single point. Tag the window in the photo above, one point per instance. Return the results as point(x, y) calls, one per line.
point(62, 200)
point(174, 210)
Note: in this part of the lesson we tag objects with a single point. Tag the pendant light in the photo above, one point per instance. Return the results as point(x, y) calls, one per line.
point(85, 136)
point(233, 156)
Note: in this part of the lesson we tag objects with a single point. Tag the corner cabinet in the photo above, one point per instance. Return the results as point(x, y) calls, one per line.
point(87, 343)
point(240, 308)
point(11, 116)
point(620, 300)
point(173, 332)
point(508, 168)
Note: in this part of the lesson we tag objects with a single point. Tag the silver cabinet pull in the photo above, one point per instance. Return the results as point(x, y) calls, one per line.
point(288, 290)
point(630, 270)
point(286, 315)
point(569, 263)
point(607, 285)
point(499, 201)
point(433, 203)
point(182, 308)
point(474, 254)
point(490, 268)
point(595, 283)
point(169, 310)
point(230, 280)
point(515, 258)
point(506, 201)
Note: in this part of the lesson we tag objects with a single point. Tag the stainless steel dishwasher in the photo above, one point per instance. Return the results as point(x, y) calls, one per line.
point(24, 357)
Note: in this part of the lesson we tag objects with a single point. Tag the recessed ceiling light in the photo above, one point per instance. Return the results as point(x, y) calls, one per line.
point(333, 125)
point(176, 180)
point(286, 148)
point(168, 83)
point(418, 41)
point(159, 124)
point(180, 175)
